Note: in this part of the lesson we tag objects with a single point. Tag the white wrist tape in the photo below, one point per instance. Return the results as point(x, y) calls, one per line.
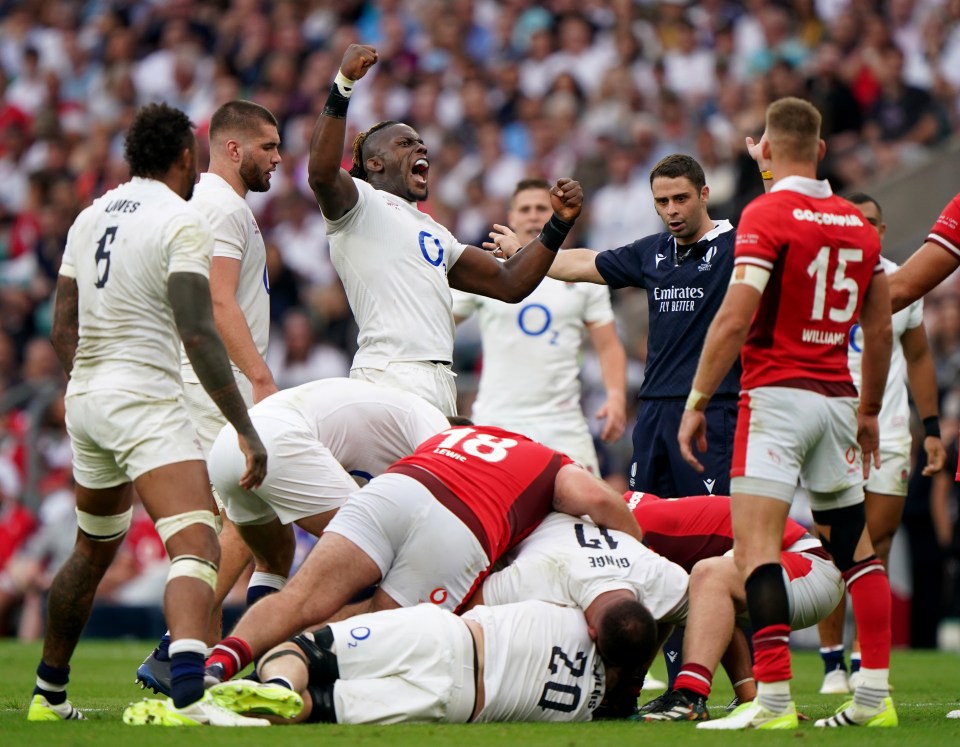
point(344, 85)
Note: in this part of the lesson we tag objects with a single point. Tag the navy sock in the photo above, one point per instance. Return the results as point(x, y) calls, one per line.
point(672, 655)
point(163, 648)
point(52, 677)
point(832, 659)
point(186, 671)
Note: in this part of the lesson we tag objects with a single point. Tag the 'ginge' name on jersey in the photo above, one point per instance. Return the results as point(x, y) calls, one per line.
point(677, 298)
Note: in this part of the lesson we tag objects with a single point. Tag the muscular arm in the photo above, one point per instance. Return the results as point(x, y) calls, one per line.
point(189, 295)
point(233, 328)
point(613, 368)
point(576, 265)
point(332, 186)
point(923, 386)
point(479, 272)
point(927, 267)
point(875, 364)
point(66, 322)
point(578, 493)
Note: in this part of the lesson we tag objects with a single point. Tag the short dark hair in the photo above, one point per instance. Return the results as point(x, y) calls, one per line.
point(359, 170)
point(627, 635)
point(240, 116)
point(679, 165)
point(156, 138)
point(859, 198)
point(532, 183)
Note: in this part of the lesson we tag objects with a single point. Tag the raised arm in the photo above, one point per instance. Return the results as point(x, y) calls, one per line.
point(332, 186)
point(189, 295)
point(570, 265)
point(478, 271)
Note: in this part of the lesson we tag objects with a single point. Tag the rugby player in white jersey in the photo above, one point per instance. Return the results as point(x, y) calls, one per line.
point(244, 151)
point(133, 278)
point(397, 263)
point(530, 661)
point(530, 381)
point(322, 438)
point(886, 488)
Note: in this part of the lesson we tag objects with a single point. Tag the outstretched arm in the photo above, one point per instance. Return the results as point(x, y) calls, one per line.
point(578, 493)
point(332, 186)
point(930, 265)
point(477, 271)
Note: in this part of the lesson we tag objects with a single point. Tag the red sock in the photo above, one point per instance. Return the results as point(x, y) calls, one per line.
point(869, 590)
point(771, 654)
point(696, 678)
point(233, 654)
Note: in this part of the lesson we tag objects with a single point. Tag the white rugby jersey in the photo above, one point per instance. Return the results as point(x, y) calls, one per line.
point(121, 250)
point(366, 427)
point(236, 235)
point(393, 262)
point(570, 561)
point(531, 350)
point(895, 415)
point(539, 664)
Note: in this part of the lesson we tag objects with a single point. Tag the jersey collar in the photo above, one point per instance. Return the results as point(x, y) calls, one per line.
point(697, 250)
point(817, 188)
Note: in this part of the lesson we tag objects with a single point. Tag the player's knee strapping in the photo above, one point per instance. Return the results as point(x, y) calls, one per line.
point(191, 566)
point(170, 525)
point(104, 528)
point(261, 665)
point(846, 527)
point(321, 659)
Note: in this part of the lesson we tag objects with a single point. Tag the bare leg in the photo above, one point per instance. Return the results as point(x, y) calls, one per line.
point(334, 571)
point(71, 594)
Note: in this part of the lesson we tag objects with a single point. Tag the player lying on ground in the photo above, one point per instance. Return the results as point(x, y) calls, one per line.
point(529, 661)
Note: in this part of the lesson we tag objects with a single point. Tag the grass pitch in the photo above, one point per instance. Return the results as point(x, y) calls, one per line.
point(927, 687)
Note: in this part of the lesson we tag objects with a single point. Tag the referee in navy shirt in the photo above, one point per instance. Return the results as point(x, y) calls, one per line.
point(685, 271)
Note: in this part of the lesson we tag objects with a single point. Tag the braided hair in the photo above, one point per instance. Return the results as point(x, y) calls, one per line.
point(358, 170)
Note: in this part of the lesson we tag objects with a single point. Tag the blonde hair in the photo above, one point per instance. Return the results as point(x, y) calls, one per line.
point(358, 168)
point(793, 128)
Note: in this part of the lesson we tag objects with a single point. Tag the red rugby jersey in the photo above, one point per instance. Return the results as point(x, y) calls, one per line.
point(685, 530)
point(504, 480)
point(946, 231)
point(821, 254)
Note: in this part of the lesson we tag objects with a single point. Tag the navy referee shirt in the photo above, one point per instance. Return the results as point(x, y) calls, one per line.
point(683, 296)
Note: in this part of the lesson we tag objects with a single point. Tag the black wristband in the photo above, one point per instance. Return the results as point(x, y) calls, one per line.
point(554, 233)
point(931, 426)
point(336, 105)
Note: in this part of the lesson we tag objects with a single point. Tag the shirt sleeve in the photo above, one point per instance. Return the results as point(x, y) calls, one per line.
point(621, 267)
point(757, 242)
point(598, 308)
point(67, 263)
point(190, 244)
point(946, 231)
point(229, 233)
point(464, 304)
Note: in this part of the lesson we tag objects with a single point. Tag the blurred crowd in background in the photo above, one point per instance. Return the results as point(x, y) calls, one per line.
point(598, 90)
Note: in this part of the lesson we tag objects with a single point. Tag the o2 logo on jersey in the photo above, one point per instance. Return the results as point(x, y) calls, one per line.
point(438, 595)
point(534, 319)
point(358, 634)
point(427, 242)
point(854, 345)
